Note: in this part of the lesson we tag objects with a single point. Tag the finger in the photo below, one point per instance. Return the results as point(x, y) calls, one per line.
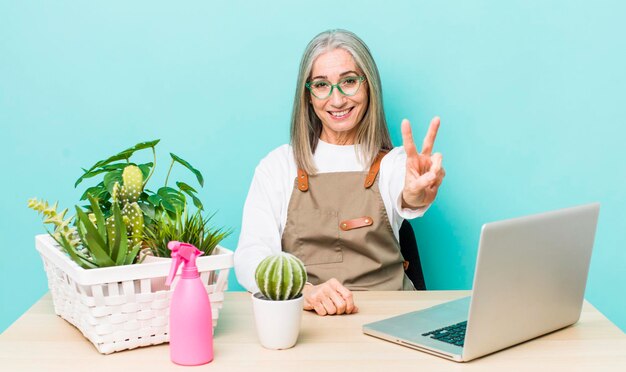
point(435, 165)
point(306, 305)
point(440, 175)
point(329, 306)
point(425, 180)
point(407, 139)
point(350, 306)
point(429, 140)
point(308, 300)
point(345, 293)
point(432, 191)
point(431, 194)
point(320, 309)
point(339, 302)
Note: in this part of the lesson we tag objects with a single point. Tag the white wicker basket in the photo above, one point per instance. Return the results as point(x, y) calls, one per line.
point(116, 308)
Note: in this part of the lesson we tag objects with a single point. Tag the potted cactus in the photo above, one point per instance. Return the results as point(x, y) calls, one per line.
point(278, 304)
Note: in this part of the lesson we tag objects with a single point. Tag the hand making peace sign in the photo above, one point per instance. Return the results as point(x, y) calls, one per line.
point(424, 173)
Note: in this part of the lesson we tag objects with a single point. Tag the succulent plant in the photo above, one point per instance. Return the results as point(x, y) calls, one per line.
point(91, 242)
point(105, 242)
point(62, 226)
point(281, 276)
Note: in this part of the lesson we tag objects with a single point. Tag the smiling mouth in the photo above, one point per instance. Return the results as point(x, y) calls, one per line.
point(341, 114)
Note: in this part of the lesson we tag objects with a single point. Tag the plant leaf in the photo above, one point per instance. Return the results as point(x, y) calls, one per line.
point(185, 187)
point(100, 224)
point(147, 209)
point(123, 155)
point(110, 179)
point(191, 192)
point(121, 240)
point(172, 199)
point(90, 231)
point(80, 259)
point(155, 200)
point(145, 145)
point(67, 248)
point(145, 169)
point(188, 166)
point(92, 241)
point(132, 254)
point(117, 238)
point(95, 172)
point(95, 191)
point(88, 174)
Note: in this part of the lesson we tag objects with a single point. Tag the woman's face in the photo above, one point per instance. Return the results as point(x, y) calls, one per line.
point(340, 114)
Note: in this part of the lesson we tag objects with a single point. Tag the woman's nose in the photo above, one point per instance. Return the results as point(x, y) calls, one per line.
point(336, 98)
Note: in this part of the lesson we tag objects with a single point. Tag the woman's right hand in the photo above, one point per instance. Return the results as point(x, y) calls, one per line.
point(329, 298)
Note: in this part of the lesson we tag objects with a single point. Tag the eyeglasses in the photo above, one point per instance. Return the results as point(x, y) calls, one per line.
point(348, 86)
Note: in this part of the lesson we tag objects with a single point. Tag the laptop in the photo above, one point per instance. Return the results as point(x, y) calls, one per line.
point(529, 280)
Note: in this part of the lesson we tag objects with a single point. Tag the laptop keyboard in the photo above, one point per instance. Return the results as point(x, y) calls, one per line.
point(454, 334)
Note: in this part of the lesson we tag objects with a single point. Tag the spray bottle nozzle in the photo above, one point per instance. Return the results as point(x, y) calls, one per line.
point(182, 253)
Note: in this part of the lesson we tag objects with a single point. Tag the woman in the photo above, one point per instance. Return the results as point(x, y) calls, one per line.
point(352, 189)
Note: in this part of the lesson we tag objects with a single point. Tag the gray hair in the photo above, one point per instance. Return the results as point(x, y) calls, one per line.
point(372, 133)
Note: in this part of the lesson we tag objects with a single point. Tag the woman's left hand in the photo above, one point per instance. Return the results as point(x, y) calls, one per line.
point(424, 172)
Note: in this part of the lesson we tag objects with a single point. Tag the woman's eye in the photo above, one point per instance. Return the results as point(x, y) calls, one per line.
point(349, 81)
point(320, 84)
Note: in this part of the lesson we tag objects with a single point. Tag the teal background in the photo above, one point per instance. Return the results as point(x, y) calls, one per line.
point(531, 96)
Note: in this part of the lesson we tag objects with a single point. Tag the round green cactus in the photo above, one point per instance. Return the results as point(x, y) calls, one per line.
point(281, 276)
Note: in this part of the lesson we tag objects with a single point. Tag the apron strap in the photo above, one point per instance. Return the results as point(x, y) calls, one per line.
point(303, 180)
point(371, 176)
point(303, 177)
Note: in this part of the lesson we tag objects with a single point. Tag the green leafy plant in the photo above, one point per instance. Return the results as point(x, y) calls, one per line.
point(153, 204)
point(190, 228)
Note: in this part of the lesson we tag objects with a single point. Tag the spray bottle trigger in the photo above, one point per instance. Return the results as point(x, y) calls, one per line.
point(176, 261)
point(173, 269)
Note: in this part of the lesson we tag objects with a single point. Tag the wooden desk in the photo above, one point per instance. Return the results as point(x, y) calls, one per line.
point(42, 341)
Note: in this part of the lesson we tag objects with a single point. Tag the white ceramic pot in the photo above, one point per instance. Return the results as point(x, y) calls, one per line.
point(277, 322)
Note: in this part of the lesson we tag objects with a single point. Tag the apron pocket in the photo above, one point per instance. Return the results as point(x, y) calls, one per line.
point(317, 240)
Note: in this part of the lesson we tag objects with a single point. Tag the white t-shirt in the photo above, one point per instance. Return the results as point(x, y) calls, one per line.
point(265, 211)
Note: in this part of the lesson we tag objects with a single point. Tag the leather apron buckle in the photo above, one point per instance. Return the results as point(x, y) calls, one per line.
point(356, 223)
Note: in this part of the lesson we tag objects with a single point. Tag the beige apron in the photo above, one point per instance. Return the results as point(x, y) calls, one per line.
point(338, 226)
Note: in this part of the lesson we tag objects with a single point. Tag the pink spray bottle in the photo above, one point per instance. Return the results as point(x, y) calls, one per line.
point(191, 323)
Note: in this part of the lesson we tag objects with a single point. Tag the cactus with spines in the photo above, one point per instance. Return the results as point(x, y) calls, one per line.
point(132, 186)
point(281, 276)
point(126, 195)
point(61, 224)
point(133, 218)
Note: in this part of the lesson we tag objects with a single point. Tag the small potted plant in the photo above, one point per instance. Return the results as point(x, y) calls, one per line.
point(278, 305)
